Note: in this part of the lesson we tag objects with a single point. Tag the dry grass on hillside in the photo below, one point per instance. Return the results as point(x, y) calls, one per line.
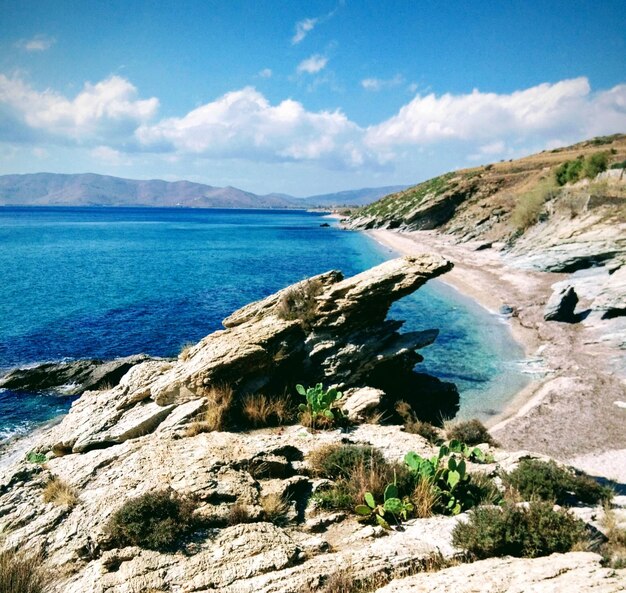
point(60, 493)
point(219, 403)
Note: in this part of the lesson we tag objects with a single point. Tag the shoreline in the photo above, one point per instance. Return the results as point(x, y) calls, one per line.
point(548, 415)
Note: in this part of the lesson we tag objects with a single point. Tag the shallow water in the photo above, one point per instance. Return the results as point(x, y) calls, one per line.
point(107, 282)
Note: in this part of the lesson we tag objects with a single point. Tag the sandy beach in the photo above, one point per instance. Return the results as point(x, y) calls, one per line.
point(569, 410)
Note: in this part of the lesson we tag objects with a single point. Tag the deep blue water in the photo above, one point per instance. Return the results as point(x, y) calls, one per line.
point(107, 282)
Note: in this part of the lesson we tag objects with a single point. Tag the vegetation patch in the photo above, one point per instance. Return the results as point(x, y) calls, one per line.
point(581, 168)
point(298, 302)
point(534, 479)
point(470, 432)
point(38, 458)
point(320, 409)
point(60, 493)
point(218, 415)
point(20, 573)
point(414, 425)
point(530, 205)
point(155, 521)
point(262, 410)
point(614, 549)
point(276, 509)
point(356, 470)
point(521, 531)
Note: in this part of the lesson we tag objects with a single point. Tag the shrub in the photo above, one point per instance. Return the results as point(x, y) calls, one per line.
point(484, 491)
point(356, 470)
point(218, 413)
point(341, 461)
point(545, 480)
point(569, 171)
point(620, 165)
point(536, 530)
point(415, 426)
point(155, 521)
point(38, 458)
point(298, 302)
point(22, 574)
point(470, 432)
point(529, 206)
point(262, 410)
point(59, 492)
point(595, 164)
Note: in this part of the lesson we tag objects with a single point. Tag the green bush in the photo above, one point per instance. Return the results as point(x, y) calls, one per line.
point(356, 470)
point(21, 574)
point(569, 171)
point(536, 530)
point(589, 167)
point(414, 425)
point(620, 165)
point(155, 521)
point(470, 432)
point(541, 480)
point(594, 164)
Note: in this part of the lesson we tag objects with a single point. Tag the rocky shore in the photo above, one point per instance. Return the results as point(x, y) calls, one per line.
point(181, 427)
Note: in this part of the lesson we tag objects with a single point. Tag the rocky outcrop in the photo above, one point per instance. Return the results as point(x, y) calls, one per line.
point(73, 377)
point(561, 305)
point(560, 573)
point(345, 340)
point(611, 300)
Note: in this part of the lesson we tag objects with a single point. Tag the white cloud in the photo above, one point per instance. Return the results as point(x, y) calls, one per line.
point(243, 124)
point(316, 63)
point(564, 109)
point(266, 73)
point(377, 84)
point(303, 28)
point(106, 110)
point(108, 155)
point(36, 43)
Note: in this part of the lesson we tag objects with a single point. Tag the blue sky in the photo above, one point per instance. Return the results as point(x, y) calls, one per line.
point(302, 97)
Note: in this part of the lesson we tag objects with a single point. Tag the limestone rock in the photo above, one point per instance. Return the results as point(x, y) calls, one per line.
point(348, 341)
point(359, 402)
point(611, 301)
point(561, 305)
point(73, 377)
point(560, 573)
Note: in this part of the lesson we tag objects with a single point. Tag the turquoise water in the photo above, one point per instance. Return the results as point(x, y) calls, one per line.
point(107, 282)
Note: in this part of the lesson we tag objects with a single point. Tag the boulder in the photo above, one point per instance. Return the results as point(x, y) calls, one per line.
point(561, 305)
point(611, 300)
point(360, 402)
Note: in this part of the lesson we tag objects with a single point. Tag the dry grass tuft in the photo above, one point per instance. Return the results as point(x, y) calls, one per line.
point(22, 574)
point(238, 513)
point(276, 509)
point(530, 205)
point(262, 410)
point(415, 426)
point(185, 351)
point(299, 302)
point(614, 549)
point(216, 417)
point(424, 498)
point(60, 493)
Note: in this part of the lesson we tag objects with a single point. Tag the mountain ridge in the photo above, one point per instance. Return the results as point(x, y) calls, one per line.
point(91, 189)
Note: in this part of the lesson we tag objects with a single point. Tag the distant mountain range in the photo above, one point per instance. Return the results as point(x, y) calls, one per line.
point(89, 189)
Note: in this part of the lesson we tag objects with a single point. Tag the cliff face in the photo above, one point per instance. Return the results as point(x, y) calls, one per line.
point(520, 208)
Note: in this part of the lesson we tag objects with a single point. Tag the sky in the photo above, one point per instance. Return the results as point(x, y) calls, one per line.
point(300, 97)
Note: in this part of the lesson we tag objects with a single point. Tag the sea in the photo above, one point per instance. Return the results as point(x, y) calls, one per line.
point(106, 282)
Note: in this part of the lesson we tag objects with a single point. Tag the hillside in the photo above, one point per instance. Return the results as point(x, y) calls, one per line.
point(522, 207)
point(89, 189)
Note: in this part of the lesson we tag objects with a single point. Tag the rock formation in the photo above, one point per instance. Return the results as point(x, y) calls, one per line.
point(73, 377)
point(561, 305)
point(135, 438)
